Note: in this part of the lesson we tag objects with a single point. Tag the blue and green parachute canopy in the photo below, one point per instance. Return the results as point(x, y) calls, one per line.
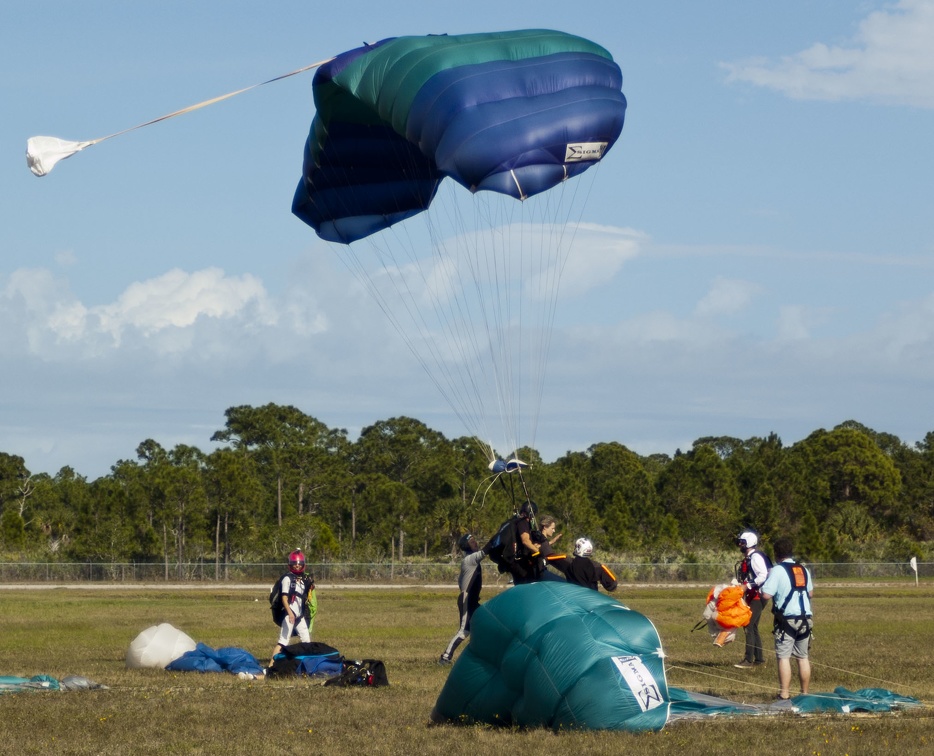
point(510, 112)
point(557, 655)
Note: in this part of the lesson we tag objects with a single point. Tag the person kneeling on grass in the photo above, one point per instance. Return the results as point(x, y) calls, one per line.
point(790, 588)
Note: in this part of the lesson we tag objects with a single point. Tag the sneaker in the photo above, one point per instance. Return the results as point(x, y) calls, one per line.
point(444, 659)
point(760, 663)
point(744, 665)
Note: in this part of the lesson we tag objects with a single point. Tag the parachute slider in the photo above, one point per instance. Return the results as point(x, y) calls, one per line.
point(506, 465)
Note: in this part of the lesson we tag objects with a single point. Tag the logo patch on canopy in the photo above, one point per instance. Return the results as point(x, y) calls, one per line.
point(640, 681)
point(581, 151)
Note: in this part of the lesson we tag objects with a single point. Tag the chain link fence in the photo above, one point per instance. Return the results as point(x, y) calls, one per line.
point(410, 573)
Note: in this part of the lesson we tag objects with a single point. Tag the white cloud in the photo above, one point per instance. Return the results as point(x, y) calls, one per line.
point(890, 60)
point(162, 313)
point(66, 258)
point(906, 337)
point(68, 320)
point(177, 299)
point(598, 253)
point(32, 288)
point(727, 296)
point(184, 345)
point(28, 301)
point(305, 318)
point(660, 326)
point(793, 323)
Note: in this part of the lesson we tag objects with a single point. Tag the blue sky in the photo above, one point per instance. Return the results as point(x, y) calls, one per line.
point(767, 249)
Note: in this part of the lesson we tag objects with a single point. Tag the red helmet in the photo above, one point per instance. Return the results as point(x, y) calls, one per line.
point(297, 562)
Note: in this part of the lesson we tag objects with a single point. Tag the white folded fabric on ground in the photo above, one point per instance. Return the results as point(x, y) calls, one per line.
point(157, 646)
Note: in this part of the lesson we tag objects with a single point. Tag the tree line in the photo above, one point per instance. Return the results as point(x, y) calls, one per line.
point(281, 479)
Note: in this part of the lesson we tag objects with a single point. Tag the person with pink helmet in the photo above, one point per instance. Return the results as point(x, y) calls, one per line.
point(297, 591)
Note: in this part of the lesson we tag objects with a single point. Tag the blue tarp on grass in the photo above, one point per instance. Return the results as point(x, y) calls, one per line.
point(206, 659)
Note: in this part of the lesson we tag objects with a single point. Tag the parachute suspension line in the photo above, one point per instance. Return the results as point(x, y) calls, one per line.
point(452, 312)
point(490, 280)
point(547, 294)
point(42, 152)
point(534, 256)
point(467, 307)
point(408, 286)
point(474, 312)
point(524, 277)
point(508, 289)
point(394, 256)
point(553, 254)
point(516, 256)
point(462, 299)
point(562, 233)
point(473, 296)
point(458, 311)
point(417, 337)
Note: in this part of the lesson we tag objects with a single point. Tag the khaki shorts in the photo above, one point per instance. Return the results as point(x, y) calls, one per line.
point(787, 645)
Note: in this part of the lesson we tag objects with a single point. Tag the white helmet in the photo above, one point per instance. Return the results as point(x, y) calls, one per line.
point(583, 547)
point(749, 538)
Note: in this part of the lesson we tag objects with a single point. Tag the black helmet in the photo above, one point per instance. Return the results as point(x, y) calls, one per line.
point(467, 542)
point(529, 509)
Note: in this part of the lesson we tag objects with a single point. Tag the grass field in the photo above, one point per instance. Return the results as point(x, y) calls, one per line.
point(865, 636)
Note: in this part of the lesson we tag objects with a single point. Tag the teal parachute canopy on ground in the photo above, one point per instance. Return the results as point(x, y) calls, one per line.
point(557, 655)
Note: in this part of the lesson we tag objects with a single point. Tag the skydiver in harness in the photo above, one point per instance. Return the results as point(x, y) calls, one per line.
point(514, 548)
point(790, 588)
point(751, 573)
